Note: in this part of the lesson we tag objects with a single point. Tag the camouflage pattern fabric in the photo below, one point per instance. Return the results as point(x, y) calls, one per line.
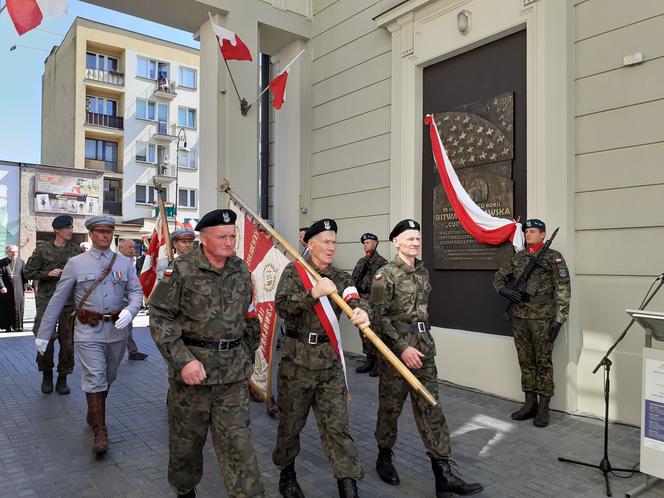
point(534, 349)
point(363, 276)
point(197, 300)
point(400, 295)
point(311, 377)
point(46, 257)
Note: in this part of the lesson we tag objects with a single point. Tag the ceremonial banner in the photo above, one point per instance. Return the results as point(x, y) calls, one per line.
point(156, 259)
point(266, 264)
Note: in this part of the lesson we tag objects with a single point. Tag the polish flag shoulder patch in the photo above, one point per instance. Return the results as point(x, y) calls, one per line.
point(350, 293)
point(378, 277)
point(168, 272)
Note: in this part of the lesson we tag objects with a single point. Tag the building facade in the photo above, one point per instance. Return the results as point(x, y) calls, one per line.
point(127, 105)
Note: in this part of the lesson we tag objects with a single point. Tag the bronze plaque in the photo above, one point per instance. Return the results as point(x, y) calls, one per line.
point(479, 140)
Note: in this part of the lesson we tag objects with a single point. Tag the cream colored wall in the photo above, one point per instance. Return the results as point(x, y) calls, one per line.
point(619, 188)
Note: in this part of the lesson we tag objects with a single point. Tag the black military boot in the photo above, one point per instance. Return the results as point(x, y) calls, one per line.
point(288, 486)
point(529, 408)
point(190, 494)
point(385, 468)
point(367, 365)
point(61, 385)
point(374, 368)
point(347, 488)
point(448, 482)
point(47, 382)
point(542, 416)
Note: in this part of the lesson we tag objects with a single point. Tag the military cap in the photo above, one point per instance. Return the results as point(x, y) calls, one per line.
point(183, 233)
point(324, 225)
point(534, 223)
point(216, 218)
point(102, 219)
point(404, 225)
point(64, 220)
point(368, 236)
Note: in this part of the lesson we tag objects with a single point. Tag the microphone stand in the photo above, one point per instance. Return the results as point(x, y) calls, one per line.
point(605, 465)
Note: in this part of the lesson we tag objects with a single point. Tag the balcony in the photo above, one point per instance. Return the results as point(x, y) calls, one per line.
point(113, 208)
point(110, 77)
point(166, 92)
point(165, 132)
point(104, 120)
point(100, 165)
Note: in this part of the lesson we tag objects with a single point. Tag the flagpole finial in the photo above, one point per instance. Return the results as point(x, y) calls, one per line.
point(225, 186)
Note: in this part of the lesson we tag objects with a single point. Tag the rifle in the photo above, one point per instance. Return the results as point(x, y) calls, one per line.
point(521, 285)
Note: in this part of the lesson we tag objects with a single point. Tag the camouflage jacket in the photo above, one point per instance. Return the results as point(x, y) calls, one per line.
point(550, 280)
point(296, 306)
point(400, 296)
point(194, 299)
point(46, 257)
point(364, 272)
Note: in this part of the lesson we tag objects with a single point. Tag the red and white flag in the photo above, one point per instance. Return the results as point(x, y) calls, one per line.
point(28, 14)
point(278, 85)
point(477, 222)
point(156, 259)
point(232, 48)
point(266, 264)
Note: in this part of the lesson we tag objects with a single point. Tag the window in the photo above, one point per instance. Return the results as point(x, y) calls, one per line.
point(146, 194)
point(100, 62)
point(101, 150)
point(101, 105)
point(187, 159)
point(146, 152)
point(152, 69)
point(186, 117)
point(162, 113)
point(145, 109)
point(187, 198)
point(187, 77)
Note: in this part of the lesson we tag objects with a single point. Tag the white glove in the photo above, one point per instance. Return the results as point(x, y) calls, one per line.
point(41, 345)
point(123, 320)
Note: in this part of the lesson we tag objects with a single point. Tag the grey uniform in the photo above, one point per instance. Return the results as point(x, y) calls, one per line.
point(99, 348)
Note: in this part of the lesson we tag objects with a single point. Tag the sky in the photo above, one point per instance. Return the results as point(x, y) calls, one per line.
point(22, 69)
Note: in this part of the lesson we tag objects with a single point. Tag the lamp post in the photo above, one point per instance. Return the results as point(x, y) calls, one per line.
point(182, 135)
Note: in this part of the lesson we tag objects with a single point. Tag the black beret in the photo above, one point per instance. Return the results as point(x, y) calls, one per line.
point(216, 218)
point(404, 225)
point(368, 236)
point(323, 225)
point(62, 221)
point(304, 229)
point(534, 223)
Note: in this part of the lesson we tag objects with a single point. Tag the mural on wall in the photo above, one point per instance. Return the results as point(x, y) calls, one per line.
point(479, 139)
point(66, 194)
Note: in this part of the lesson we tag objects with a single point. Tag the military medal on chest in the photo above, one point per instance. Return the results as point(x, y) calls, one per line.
point(117, 276)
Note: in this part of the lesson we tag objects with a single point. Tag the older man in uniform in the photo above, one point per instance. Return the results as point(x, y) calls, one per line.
point(536, 318)
point(310, 372)
point(204, 323)
point(363, 275)
point(45, 267)
point(107, 296)
point(127, 247)
point(183, 241)
point(400, 296)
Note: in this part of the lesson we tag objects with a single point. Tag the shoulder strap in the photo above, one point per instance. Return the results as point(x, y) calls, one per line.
point(101, 278)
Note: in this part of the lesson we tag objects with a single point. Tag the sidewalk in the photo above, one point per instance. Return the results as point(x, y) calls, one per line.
point(45, 444)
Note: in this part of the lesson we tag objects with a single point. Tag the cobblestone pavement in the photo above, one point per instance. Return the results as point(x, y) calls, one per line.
point(45, 443)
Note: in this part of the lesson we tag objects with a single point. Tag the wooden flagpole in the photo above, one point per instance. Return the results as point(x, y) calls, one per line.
point(369, 334)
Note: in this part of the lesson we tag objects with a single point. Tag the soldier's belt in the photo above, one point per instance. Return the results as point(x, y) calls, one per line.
point(540, 299)
point(88, 317)
point(308, 337)
point(218, 344)
point(417, 327)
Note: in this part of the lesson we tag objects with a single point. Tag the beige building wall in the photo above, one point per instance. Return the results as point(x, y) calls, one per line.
point(619, 191)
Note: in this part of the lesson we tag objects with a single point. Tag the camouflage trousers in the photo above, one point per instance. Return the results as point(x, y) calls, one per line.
point(224, 409)
point(533, 348)
point(65, 338)
point(430, 421)
point(301, 389)
point(368, 347)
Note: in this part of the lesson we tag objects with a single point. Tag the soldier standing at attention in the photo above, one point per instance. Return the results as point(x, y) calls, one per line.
point(183, 241)
point(311, 374)
point(45, 268)
point(536, 319)
point(399, 298)
point(107, 296)
point(203, 321)
point(363, 275)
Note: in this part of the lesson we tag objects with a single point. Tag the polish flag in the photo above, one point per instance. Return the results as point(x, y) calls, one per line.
point(278, 85)
point(28, 14)
point(232, 48)
point(156, 259)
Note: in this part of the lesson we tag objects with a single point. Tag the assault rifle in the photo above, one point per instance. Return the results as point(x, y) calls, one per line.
point(521, 285)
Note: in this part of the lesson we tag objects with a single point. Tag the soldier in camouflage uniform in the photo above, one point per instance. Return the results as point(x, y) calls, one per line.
point(310, 372)
point(203, 321)
point(399, 298)
point(537, 319)
point(363, 275)
point(45, 267)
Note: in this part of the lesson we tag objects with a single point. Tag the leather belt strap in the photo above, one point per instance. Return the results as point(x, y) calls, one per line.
point(219, 344)
point(418, 327)
point(308, 337)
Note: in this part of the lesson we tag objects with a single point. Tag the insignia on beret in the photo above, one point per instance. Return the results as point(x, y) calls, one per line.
point(326, 224)
point(411, 223)
point(168, 272)
point(226, 217)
